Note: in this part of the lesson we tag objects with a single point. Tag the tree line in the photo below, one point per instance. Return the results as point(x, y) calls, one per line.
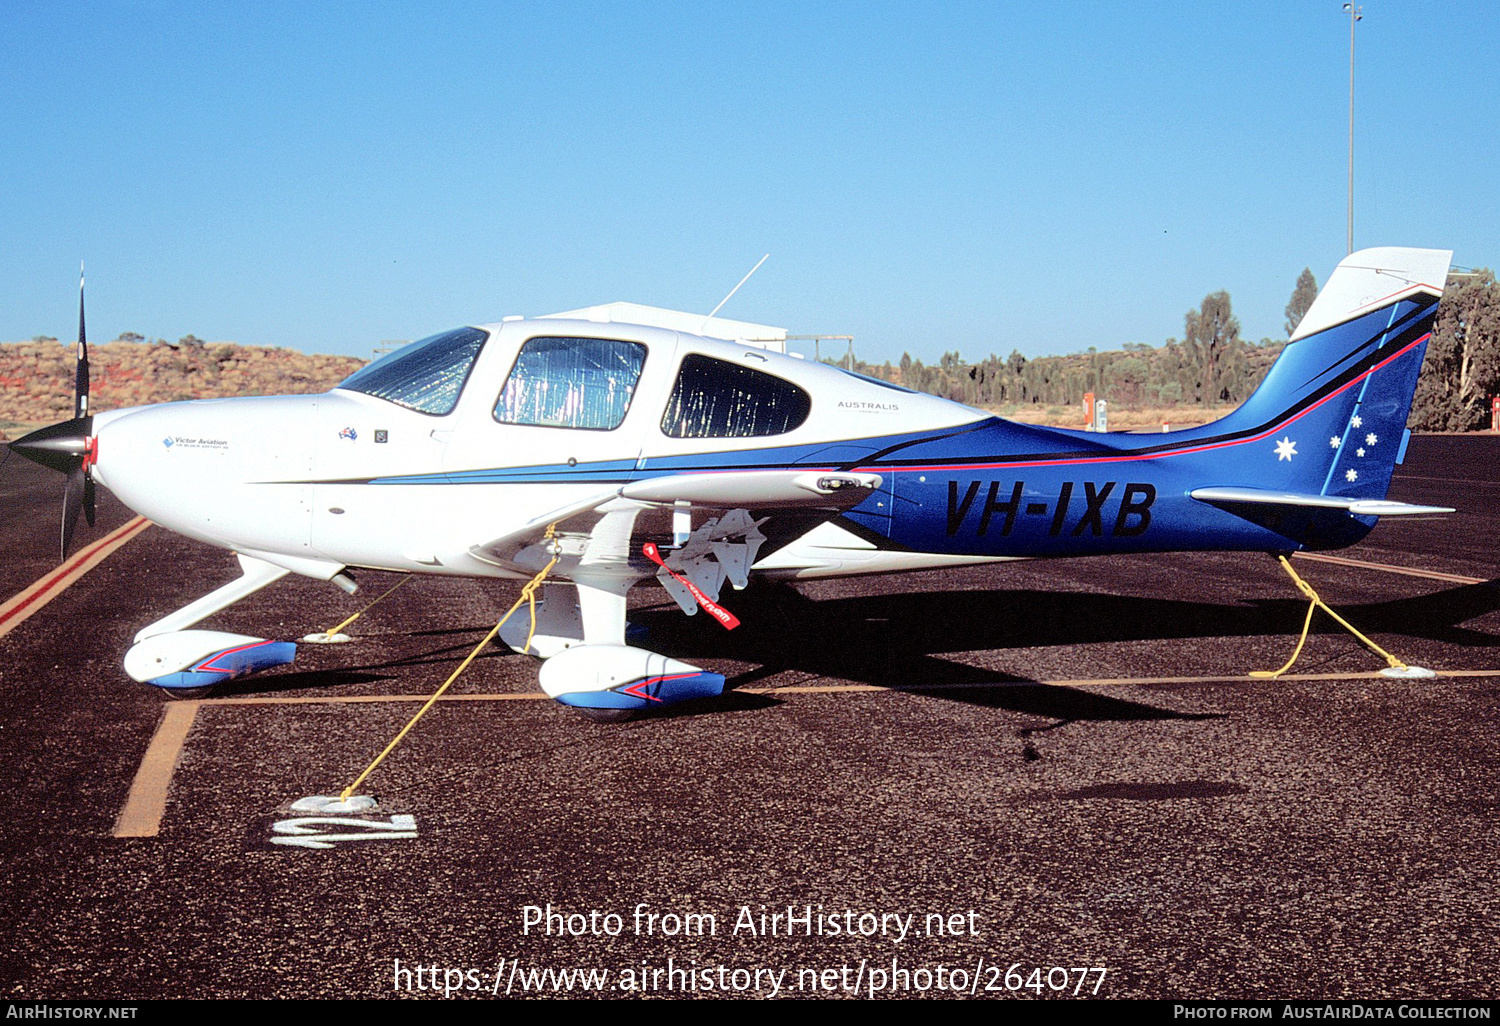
point(1462, 370)
point(1212, 365)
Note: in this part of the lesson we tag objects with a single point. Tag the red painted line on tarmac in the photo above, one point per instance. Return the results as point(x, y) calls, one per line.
point(21, 605)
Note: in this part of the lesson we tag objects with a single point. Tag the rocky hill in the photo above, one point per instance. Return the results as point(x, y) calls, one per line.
point(36, 378)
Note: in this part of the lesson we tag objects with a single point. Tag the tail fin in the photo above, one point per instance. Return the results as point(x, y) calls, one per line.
point(1335, 402)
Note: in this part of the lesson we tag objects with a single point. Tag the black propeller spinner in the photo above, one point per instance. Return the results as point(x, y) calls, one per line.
point(69, 447)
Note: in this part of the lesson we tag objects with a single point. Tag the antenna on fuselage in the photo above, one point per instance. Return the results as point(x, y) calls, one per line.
point(733, 291)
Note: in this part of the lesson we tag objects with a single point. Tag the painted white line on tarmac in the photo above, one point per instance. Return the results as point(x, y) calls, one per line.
point(147, 801)
point(1433, 575)
point(146, 804)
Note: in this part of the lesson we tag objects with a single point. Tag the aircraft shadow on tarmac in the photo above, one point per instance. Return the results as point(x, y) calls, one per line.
point(955, 621)
point(897, 641)
point(365, 673)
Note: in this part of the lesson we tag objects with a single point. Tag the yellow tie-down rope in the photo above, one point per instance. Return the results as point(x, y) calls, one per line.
point(330, 632)
point(1315, 604)
point(528, 595)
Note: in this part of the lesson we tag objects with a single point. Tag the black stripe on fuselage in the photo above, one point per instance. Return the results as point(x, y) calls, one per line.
point(1408, 334)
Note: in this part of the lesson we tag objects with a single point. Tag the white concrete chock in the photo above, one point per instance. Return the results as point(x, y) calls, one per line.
point(324, 638)
point(332, 803)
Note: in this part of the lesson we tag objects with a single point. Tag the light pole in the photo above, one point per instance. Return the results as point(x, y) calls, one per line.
point(1355, 14)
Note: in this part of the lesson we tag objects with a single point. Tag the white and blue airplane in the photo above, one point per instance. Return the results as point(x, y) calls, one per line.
point(636, 452)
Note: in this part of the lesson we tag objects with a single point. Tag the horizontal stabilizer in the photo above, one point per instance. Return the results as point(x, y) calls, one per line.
point(1358, 507)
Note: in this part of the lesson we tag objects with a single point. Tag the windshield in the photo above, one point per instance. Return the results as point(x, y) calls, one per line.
point(426, 376)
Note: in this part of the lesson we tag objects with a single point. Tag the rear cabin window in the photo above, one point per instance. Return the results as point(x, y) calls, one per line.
point(427, 376)
point(717, 399)
point(584, 383)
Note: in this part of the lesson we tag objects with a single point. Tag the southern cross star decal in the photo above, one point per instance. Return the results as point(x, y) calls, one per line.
point(1333, 442)
point(1355, 421)
point(1351, 475)
point(1371, 439)
point(1286, 449)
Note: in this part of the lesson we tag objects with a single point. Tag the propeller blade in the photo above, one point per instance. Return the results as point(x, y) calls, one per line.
point(73, 497)
point(68, 447)
point(81, 377)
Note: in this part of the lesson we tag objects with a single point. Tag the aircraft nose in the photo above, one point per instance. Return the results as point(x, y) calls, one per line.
point(227, 471)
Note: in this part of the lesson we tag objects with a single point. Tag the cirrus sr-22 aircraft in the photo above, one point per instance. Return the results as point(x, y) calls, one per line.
point(632, 452)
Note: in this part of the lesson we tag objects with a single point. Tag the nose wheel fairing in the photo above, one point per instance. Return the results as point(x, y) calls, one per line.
point(168, 655)
point(196, 659)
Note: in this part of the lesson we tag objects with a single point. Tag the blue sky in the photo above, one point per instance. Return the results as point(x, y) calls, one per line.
point(926, 177)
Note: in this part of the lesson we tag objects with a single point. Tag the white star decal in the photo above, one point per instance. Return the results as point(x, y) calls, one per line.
point(1351, 475)
point(1285, 450)
point(1355, 421)
point(1334, 442)
point(1360, 451)
point(1371, 439)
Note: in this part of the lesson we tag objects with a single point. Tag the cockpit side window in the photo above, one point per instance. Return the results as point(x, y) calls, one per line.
point(717, 399)
point(427, 376)
point(584, 383)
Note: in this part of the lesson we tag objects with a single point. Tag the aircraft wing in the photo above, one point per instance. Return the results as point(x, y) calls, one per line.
point(597, 535)
point(758, 489)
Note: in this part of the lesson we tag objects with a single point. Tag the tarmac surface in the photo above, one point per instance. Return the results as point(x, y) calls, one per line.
point(1050, 766)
